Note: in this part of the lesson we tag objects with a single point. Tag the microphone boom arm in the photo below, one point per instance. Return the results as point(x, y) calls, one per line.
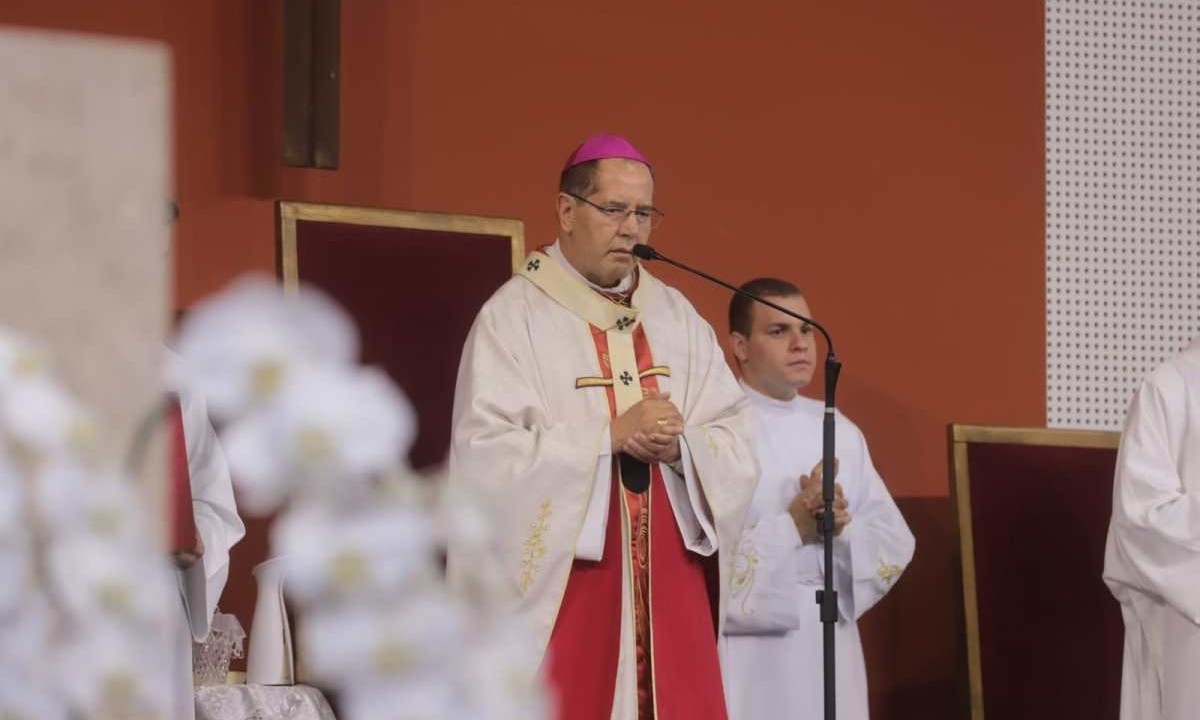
point(826, 597)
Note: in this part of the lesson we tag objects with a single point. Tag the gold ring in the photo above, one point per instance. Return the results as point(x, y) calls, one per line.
point(661, 421)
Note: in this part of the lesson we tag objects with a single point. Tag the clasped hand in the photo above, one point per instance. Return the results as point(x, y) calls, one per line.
point(808, 504)
point(650, 430)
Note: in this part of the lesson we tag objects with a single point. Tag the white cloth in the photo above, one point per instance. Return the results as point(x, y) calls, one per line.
point(219, 528)
point(1152, 560)
point(771, 652)
point(537, 444)
point(261, 702)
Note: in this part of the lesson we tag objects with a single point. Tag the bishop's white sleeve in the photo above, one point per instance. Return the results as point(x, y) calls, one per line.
point(692, 514)
point(877, 545)
point(1154, 540)
point(590, 545)
point(216, 516)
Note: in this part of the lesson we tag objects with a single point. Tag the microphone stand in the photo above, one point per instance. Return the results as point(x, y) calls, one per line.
point(827, 597)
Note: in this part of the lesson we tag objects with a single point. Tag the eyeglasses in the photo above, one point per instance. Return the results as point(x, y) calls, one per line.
point(616, 213)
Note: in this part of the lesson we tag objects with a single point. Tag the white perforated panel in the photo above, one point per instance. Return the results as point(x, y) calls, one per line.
point(1122, 185)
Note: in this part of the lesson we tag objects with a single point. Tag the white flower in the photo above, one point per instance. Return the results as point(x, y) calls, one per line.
point(20, 359)
point(26, 632)
point(375, 553)
point(329, 427)
point(22, 698)
point(468, 522)
point(500, 675)
point(12, 496)
point(16, 571)
point(418, 637)
point(43, 422)
point(74, 498)
point(105, 673)
point(423, 699)
point(464, 519)
point(98, 580)
point(240, 347)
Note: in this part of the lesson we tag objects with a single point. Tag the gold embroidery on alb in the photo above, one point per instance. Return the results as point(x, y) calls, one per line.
point(745, 567)
point(887, 573)
point(534, 547)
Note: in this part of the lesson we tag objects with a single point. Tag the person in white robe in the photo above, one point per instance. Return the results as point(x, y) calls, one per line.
point(203, 573)
point(579, 358)
point(771, 651)
point(1152, 558)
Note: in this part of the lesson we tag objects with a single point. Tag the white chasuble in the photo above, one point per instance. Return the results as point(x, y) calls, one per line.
point(531, 434)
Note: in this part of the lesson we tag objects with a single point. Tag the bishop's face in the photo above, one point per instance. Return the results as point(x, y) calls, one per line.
point(779, 356)
point(600, 247)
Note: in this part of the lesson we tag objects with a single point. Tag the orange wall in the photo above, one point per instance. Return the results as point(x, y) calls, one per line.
point(887, 155)
point(884, 154)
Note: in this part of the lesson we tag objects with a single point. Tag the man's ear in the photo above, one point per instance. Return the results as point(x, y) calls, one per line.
point(566, 213)
point(737, 343)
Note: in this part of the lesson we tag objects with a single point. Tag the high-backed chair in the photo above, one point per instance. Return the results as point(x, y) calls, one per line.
point(1043, 636)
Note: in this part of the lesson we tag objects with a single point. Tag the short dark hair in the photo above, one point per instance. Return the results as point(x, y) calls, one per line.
point(579, 179)
point(741, 308)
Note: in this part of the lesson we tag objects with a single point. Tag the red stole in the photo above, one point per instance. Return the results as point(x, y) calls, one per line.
point(183, 520)
point(679, 677)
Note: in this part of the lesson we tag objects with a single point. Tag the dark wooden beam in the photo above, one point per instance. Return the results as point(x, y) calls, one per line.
point(311, 83)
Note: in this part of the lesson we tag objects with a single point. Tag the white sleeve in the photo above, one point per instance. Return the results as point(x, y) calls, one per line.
point(692, 513)
point(1155, 529)
point(877, 545)
point(590, 545)
point(217, 521)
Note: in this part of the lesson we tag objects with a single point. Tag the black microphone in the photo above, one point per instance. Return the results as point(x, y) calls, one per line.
point(826, 597)
point(645, 252)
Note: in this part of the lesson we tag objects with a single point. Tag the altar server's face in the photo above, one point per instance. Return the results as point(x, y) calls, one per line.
point(779, 356)
point(598, 246)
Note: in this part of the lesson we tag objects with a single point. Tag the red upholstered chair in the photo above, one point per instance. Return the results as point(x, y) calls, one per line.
point(1043, 636)
point(413, 282)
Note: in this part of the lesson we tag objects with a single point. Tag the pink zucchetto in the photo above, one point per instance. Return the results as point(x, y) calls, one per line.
point(603, 147)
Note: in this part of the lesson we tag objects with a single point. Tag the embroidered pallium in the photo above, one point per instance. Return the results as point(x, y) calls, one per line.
point(534, 547)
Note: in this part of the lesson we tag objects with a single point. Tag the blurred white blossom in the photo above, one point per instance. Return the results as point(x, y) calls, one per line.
point(329, 428)
point(83, 590)
point(500, 674)
point(105, 506)
point(24, 698)
point(437, 698)
point(241, 347)
point(43, 422)
point(27, 630)
point(16, 570)
point(378, 553)
point(361, 535)
point(97, 579)
point(20, 359)
point(411, 637)
point(107, 673)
